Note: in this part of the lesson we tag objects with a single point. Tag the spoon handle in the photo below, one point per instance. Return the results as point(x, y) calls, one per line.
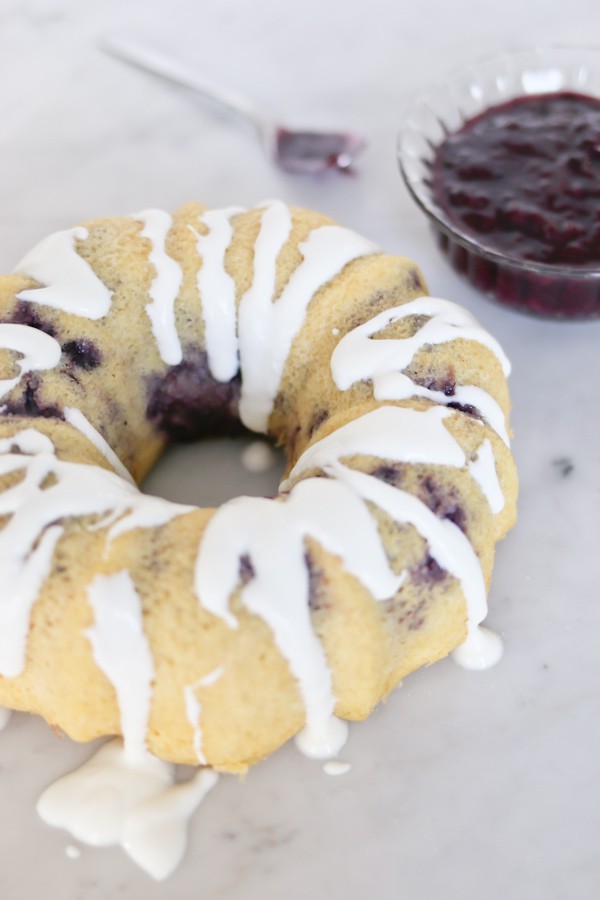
point(157, 63)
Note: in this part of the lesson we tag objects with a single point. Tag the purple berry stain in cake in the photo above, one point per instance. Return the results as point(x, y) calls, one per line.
point(25, 313)
point(247, 572)
point(83, 354)
point(315, 583)
point(442, 502)
point(31, 403)
point(390, 474)
point(317, 420)
point(522, 180)
point(187, 402)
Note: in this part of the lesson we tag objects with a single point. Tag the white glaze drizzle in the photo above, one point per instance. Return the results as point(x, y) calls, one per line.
point(272, 535)
point(109, 801)
point(358, 358)
point(38, 351)
point(121, 650)
point(165, 284)
point(217, 292)
point(268, 326)
point(68, 282)
point(28, 539)
point(193, 709)
point(483, 470)
point(396, 433)
point(407, 435)
point(256, 310)
point(77, 419)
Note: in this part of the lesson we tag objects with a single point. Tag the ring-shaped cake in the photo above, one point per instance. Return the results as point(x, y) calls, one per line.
point(213, 635)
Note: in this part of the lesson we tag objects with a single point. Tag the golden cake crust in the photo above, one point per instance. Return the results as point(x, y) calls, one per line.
point(370, 645)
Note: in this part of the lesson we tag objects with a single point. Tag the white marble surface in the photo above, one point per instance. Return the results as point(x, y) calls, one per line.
point(462, 784)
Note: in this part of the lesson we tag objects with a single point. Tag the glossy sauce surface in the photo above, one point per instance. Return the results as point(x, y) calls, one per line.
point(524, 178)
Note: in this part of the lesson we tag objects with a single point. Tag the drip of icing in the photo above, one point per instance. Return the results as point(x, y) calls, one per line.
point(358, 358)
point(193, 709)
point(28, 540)
point(336, 767)
point(322, 743)
point(409, 435)
point(483, 470)
point(271, 533)
point(70, 283)
point(121, 651)
point(217, 292)
point(39, 351)
point(23, 581)
point(123, 795)
point(77, 419)
point(165, 285)
point(72, 852)
point(109, 801)
point(5, 715)
point(258, 457)
point(481, 650)
point(268, 326)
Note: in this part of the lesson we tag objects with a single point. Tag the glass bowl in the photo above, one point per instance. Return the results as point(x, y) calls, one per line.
point(544, 289)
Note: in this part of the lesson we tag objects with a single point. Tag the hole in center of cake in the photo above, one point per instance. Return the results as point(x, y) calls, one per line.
point(212, 471)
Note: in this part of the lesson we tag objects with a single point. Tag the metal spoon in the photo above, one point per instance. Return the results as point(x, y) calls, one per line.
point(300, 152)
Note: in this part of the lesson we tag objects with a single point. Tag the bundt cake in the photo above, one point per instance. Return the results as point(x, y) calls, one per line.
point(212, 636)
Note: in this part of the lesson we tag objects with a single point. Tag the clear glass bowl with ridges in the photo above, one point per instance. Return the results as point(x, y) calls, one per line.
point(551, 290)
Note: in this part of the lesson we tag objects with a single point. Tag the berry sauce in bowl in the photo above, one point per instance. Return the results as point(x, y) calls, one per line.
point(505, 161)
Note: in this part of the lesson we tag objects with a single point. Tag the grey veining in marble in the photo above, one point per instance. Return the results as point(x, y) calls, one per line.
point(462, 785)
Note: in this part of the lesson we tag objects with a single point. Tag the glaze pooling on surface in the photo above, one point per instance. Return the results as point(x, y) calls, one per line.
point(110, 801)
point(336, 767)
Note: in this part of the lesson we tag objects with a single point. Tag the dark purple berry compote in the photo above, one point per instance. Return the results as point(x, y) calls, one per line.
point(522, 181)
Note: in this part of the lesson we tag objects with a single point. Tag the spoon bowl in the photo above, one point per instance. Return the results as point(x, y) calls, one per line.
point(301, 152)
